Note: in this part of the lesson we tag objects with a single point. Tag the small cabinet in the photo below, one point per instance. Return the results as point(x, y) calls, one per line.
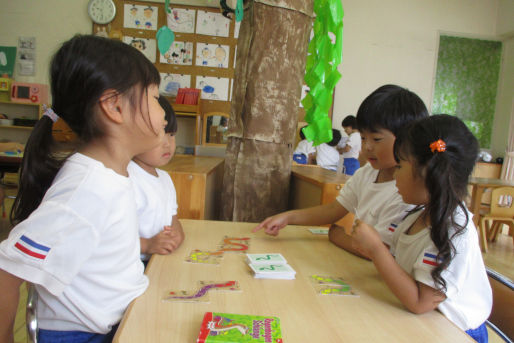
point(21, 118)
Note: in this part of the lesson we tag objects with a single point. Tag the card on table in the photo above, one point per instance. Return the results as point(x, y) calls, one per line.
point(273, 271)
point(274, 258)
point(319, 231)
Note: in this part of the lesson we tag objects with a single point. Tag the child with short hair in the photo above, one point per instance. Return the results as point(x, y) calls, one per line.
point(371, 192)
point(160, 230)
point(76, 234)
point(437, 261)
point(327, 155)
point(304, 152)
point(351, 147)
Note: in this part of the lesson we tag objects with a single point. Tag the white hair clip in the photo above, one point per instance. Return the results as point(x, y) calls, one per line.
point(50, 113)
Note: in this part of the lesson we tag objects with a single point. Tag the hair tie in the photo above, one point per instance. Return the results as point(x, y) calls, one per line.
point(438, 145)
point(50, 113)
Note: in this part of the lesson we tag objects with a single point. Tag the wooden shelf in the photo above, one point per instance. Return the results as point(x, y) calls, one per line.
point(16, 127)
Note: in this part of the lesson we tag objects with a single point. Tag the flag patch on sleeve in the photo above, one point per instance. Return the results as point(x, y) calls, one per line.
point(31, 248)
point(430, 259)
point(392, 227)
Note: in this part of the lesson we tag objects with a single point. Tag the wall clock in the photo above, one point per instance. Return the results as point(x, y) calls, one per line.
point(101, 11)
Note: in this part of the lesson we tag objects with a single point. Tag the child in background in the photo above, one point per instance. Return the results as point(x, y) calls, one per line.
point(371, 192)
point(304, 153)
point(437, 261)
point(160, 230)
point(327, 155)
point(76, 234)
point(351, 147)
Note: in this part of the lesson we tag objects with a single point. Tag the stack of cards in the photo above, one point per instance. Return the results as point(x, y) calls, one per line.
point(270, 266)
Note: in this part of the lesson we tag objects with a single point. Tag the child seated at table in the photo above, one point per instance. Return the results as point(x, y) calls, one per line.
point(437, 261)
point(351, 147)
point(160, 230)
point(327, 155)
point(304, 151)
point(370, 193)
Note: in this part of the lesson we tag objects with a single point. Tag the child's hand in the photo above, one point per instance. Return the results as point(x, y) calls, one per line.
point(176, 233)
point(272, 225)
point(365, 239)
point(163, 243)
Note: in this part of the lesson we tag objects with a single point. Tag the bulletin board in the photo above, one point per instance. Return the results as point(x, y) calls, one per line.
point(201, 56)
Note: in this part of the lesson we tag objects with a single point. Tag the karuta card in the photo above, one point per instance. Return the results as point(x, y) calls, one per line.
point(274, 258)
point(337, 290)
point(219, 285)
point(205, 257)
point(327, 280)
point(319, 231)
point(187, 296)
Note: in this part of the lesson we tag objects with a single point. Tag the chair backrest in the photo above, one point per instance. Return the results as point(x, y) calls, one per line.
point(502, 204)
point(502, 314)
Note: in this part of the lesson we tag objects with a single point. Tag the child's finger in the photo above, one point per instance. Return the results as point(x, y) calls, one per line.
point(259, 227)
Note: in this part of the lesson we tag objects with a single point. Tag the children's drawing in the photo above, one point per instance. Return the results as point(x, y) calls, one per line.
point(178, 53)
point(212, 24)
point(140, 17)
point(181, 20)
point(201, 294)
point(212, 55)
point(237, 26)
point(146, 46)
point(213, 88)
point(170, 83)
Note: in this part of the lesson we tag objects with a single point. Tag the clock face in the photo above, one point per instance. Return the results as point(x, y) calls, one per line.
point(101, 11)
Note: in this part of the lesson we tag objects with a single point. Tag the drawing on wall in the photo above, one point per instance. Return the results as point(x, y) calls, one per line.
point(181, 20)
point(212, 24)
point(236, 29)
point(212, 55)
point(213, 88)
point(146, 46)
point(140, 17)
point(170, 83)
point(178, 53)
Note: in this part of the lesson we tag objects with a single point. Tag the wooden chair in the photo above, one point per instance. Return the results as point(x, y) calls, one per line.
point(502, 212)
point(501, 319)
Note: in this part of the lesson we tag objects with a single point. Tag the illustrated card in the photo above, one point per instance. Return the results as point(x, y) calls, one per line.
point(275, 258)
point(186, 296)
point(234, 244)
point(204, 257)
point(328, 280)
point(339, 291)
point(319, 231)
point(272, 268)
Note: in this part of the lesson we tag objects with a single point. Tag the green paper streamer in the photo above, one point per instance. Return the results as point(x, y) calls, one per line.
point(321, 74)
point(165, 38)
point(167, 6)
point(239, 10)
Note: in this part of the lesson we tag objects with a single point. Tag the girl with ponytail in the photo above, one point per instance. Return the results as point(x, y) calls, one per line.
point(436, 260)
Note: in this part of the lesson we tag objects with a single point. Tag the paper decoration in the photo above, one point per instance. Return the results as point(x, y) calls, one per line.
point(181, 20)
point(179, 53)
point(212, 55)
point(7, 59)
point(321, 69)
point(165, 38)
point(212, 24)
point(140, 17)
point(213, 88)
point(170, 83)
point(27, 56)
point(146, 46)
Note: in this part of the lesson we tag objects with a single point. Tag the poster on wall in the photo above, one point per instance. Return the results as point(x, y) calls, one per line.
point(213, 88)
point(181, 20)
point(140, 17)
point(170, 83)
point(179, 53)
point(7, 58)
point(212, 55)
point(212, 24)
point(146, 46)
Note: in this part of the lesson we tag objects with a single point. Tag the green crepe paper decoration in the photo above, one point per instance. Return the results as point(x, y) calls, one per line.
point(321, 74)
point(165, 36)
point(239, 10)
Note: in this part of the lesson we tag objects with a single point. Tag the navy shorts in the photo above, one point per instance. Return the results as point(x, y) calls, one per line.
point(51, 336)
point(479, 334)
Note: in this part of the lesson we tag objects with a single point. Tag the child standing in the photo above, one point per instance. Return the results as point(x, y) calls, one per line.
point(160, 230)
point(371, 192)
point(437, 261)
point(351, 147)
point(76, 227)
point(304, 152)
point(326, 153)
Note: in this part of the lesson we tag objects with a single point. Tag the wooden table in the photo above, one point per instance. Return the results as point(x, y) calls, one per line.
point(479, 184)
point(374, 316)
point(198, 181)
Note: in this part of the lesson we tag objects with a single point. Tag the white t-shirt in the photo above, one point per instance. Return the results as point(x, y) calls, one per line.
point(305, 147)
point(468, 297)
point(377, 204)
point(327, 156)
point(81, 249)
point(156, 200)
point(354, 142)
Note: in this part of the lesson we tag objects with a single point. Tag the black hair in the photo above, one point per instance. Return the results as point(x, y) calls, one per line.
point(446, 176)
point(81, 71)
point(389, 107)
point(349, 121)
point(302, 135)
point(336, 137)
point(169, 115)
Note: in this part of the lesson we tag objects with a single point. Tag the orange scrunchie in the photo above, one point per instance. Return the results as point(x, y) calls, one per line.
point(438, 145)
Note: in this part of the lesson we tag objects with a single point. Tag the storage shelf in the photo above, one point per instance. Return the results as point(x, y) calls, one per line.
point(16, 127)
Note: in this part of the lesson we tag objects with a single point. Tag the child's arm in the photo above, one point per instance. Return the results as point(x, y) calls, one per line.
point(162, 243)
point(416, 296)
point(176, 231)
point(318, 215)
point(338, 236)
point(9, 297)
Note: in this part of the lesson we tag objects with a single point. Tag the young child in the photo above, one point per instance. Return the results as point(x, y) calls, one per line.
point(76, 234)
point(351, 147)
point(160, 230)
point(371, 192)
point(326, 153)
point(304, 152)
point(437, 261)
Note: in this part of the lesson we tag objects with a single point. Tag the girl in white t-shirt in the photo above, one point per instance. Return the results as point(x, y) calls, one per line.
point(76, 234)
point(437, 261)
point(160, 230)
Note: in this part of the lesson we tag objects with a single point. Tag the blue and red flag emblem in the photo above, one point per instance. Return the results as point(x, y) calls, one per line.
point(430, 259)
point(392, 227)
point(28, 247)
